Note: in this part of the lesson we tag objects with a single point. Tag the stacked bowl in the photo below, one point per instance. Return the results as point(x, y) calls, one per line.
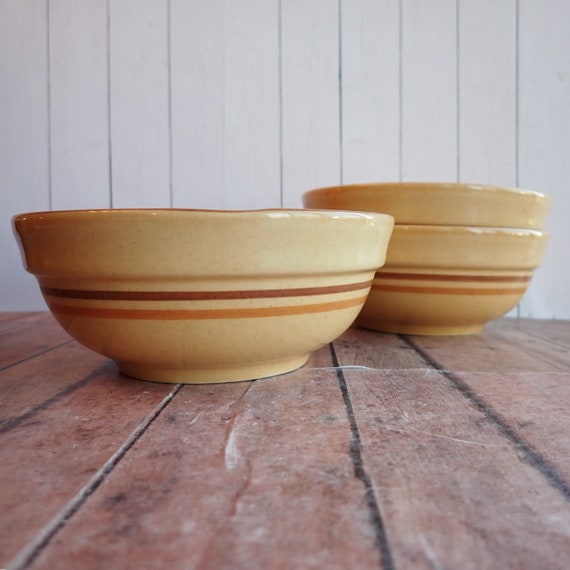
point(460, 255)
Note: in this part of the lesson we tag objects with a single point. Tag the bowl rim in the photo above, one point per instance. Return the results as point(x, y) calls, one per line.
point(426, 186)
point(263, 213)
point(269, 238)
point(442, 230)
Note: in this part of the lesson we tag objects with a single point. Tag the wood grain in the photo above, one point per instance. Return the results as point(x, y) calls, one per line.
point(495, 350)
point(466, 445)
point(31, 384)
point(47, 460)
point(363, 348)
point(229, 475)
point(452, 490)
point(28, 334)
point(384, 451)
point(555, 332)
point(529, 403)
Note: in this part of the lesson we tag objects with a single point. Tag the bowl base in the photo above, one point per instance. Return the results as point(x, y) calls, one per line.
point(218, 375)
point(431, 330)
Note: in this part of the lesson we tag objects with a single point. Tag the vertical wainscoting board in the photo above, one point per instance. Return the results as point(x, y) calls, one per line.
point(544, 142)
point(197, 102)
point(225, 104)
point(24, 139)
point(487, 64)
point(370, 105)
point(139, 103)
point(429, 90)
point(79, 104)
point(310, 87)
point(252, 104)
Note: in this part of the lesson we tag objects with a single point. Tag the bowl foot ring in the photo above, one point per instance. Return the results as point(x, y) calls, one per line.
point(235, 373)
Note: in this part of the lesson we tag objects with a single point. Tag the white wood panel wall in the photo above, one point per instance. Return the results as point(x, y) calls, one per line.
point(248, 103)
point(138, 87)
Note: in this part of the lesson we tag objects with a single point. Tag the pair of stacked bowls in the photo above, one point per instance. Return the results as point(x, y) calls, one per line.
point(460, 255)
point(197, 296)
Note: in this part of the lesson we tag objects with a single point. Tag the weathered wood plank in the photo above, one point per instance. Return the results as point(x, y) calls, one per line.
point(9, 317)
point(530, 402)
point(48, 459)
point(27, 335)
point(496, 349)
point(361, 347)
point(534, 407)
point(230, 474)
point(555, 332)
point(455, 479)
point(30, 385)
point(453, 491)
point(502, 346)
point(425, 452)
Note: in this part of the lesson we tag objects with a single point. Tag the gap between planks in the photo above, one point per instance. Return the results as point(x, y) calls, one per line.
point(532, 456)
point(14, 422)
point(30, 552)
point(35, 355)
point(386, 560)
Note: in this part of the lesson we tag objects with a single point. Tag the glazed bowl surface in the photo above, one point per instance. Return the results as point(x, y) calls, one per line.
point(438, 203)
point(200, 296)
point(440, 280)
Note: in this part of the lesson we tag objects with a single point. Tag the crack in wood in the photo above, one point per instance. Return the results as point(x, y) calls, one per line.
point(355, 451)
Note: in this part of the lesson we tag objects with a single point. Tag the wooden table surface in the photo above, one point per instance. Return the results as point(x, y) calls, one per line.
point(384, 451)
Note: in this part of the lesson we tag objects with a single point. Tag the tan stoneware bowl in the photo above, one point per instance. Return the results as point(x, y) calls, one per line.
point(200, 296)
point(440, 280)
point(431, 203)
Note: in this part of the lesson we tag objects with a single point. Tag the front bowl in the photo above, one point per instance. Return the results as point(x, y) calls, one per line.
point(450, 280)
point(204, 296)
point(431, 203)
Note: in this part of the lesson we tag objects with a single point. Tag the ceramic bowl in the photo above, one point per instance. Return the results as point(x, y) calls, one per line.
point(204, 296)
point(440, 280)
point(429, 203)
